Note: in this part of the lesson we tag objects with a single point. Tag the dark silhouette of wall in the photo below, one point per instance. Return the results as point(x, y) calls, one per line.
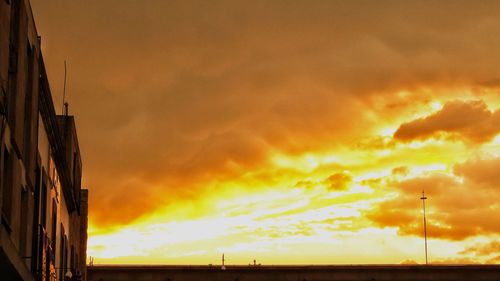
point(295, 273)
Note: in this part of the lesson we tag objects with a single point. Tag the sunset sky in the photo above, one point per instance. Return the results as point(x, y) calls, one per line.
point(290, 132)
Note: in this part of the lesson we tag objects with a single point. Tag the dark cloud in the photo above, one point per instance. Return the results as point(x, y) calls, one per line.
point(171, 94)
point(373, 183)
point(338, 181)
point(471, 120)
point(401, 170)
point(306, 184)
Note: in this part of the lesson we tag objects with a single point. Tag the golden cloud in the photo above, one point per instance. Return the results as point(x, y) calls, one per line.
point(455, 210)
point(172, 96)
point(338, 181)
point(471, 120)
point(481, 171)
point(401, 170)
point(485, 249)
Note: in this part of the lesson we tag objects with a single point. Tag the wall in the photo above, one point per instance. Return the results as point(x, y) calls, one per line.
point(39, 192)
point(294, 273)
point(19, 62)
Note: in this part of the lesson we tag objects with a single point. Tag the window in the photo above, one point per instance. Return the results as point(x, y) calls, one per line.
point(72, 258)
point(64, 254)
point(54, 225)
point(7, 189)
point(24, 221)
point(29, 110)
point(43, 204)
point(36, 261)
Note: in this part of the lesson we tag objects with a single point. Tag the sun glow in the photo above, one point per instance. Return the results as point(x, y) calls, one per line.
point(304, 205)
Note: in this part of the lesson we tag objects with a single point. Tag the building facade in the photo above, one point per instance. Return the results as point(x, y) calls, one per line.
point(43, 229)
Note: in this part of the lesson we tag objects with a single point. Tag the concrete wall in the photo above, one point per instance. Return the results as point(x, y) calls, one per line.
point(295, 273)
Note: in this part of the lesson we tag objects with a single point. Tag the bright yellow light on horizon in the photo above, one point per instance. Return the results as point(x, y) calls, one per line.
point(286, 211)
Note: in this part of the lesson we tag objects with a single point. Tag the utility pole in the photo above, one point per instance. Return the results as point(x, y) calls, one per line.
point(425, 224)
point(223, 264)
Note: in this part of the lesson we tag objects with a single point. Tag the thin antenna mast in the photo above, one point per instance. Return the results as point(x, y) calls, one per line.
point(425, 224)
point(65, 104)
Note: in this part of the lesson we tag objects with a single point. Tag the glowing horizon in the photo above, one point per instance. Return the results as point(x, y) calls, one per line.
point(306, 208)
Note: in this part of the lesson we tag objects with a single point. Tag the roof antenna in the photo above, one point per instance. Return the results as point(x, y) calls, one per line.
point(223, 264)
point(65, 104)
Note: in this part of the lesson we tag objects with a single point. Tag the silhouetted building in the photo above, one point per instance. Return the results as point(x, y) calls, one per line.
point(434, 272)
point(43, 229)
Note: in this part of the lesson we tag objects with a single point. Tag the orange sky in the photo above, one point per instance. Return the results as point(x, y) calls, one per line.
point(292, 132)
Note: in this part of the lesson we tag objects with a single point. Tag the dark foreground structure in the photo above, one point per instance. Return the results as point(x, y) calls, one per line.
point(296, 273)
point(43, 209)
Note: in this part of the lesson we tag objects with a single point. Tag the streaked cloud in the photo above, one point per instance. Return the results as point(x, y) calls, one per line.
point(295, 131)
